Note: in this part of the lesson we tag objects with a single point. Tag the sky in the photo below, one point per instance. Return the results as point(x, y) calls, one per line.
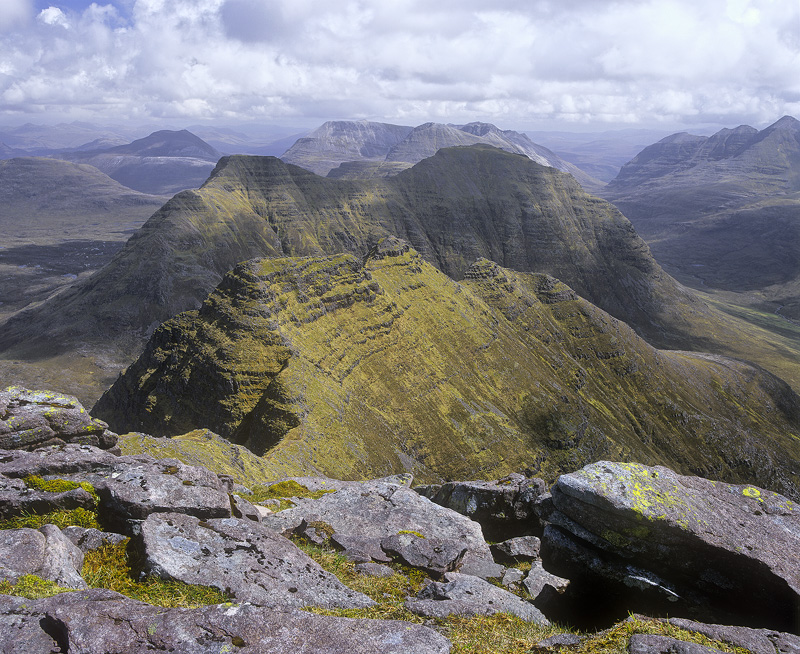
point(521, 64)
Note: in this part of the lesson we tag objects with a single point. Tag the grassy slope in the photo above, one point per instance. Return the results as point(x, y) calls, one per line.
point(356, 373)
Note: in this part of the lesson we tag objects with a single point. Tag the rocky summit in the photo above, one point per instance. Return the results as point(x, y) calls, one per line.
point(358, 369)
point(280, 570)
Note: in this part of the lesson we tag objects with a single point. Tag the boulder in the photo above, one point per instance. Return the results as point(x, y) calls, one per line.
point(517, 550)
point(432, 555)
point(240, 557)
point(31, 419)
point(16, 499)
point(104, 621)
point(707, 550)
point(372, 569)
point(87, 540)
point(466, 595)
point(758, 641)
point(653, 644)
point(504, 508)
point(45, 552)
point(538, 579)
point(362, 515)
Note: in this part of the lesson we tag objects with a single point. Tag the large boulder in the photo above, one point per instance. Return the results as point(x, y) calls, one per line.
point(504, 507)
point(104, 621)
point(46, 553)
point(243, 558)
point(362, 515)
point(681, 545)
point(31, 419)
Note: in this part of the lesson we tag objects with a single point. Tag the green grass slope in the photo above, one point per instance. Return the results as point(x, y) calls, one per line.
point(354, 370)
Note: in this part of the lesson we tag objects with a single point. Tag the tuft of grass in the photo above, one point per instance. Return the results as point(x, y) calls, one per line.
point(115, 567)
point(32, 587)
point(76, 517)
point(282, 491)
point(59, 485)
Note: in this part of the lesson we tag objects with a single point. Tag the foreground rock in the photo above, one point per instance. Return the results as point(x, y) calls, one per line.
point(243, 558)
point(361, 517)
point(688, 546)
point(31, 419)
point(104, 621)
point(46, 553)
point(465, 595)
point(504, 508)
point(758, 641)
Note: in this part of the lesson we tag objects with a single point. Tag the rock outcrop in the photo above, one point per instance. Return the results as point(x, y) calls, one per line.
point(104, 621)
point(693, 547)
point(31, 419)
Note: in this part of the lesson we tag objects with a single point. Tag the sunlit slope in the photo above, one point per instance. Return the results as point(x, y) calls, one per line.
point(355, 370)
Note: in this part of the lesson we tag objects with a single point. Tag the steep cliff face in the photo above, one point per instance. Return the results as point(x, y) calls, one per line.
point(461, 204)
point(354, 369)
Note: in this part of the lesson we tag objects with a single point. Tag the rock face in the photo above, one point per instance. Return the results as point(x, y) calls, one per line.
point(46, 553)
point(104, 621)
point(417, 376)
point(715, 550)
point(247, 560)
point(31, 419)
point(368, 517)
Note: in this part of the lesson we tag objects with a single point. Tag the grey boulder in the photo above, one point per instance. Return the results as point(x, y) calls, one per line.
point(653, 644)
point(103, 621)
point(719, 552)
point(243, 558)
point(45, 552)
point(758, 641)
point(466, 595)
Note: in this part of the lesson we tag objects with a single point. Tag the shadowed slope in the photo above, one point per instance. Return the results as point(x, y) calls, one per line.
point(356, 370)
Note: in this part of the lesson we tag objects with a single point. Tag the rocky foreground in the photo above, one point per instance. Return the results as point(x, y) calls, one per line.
point(606, 540)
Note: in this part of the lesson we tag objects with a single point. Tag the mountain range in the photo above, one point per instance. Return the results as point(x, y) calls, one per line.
point(361, 149)
point(722, 212)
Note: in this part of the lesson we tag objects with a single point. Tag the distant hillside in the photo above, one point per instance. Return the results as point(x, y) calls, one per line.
point(354, 369)
point(162, 163)
point(60, 221)
point(361, 149)
point(722, 211)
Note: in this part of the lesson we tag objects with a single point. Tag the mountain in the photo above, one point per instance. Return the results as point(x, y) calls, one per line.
point(162, 163)
point(722, 211)
point(352, 367)
point(356, 150)
point(60, 221)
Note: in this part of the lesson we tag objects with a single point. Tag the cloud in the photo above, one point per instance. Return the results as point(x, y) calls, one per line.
point(646, 61)
point(14, 13)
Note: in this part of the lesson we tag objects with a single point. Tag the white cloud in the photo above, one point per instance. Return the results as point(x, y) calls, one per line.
point(725, 61)
point(14, 13)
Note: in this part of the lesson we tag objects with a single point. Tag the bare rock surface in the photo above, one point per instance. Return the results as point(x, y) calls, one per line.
point(103, 621)
point(367, 513)
point(516, 550)
point(722, 551)
point(653, 644)
point(432, 555)
point(503, 508)
point(243, 558)
point(46, 553)
point(467, 595)
point(16, 499)
point(538, 579)
point(758, 641)
point(31, 419)
point(90, 539)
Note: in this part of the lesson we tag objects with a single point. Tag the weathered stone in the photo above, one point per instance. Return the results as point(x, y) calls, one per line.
point(558, 641)
point(104, 621)
point(512, 577)
point(371, 569)
point(467, 595)
point(46, 553)
point(652, 644)
point(538, 578)
point(758, 641)
point(429, 554)
point(516, 550)
point(363, 514)
point(23, 501)
point(56, 462)
point(243, 558)
point(720, 552)
point(31, 419)
point(356, 547)
point(91, 539)
point(503, 508)
point(242, 508)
